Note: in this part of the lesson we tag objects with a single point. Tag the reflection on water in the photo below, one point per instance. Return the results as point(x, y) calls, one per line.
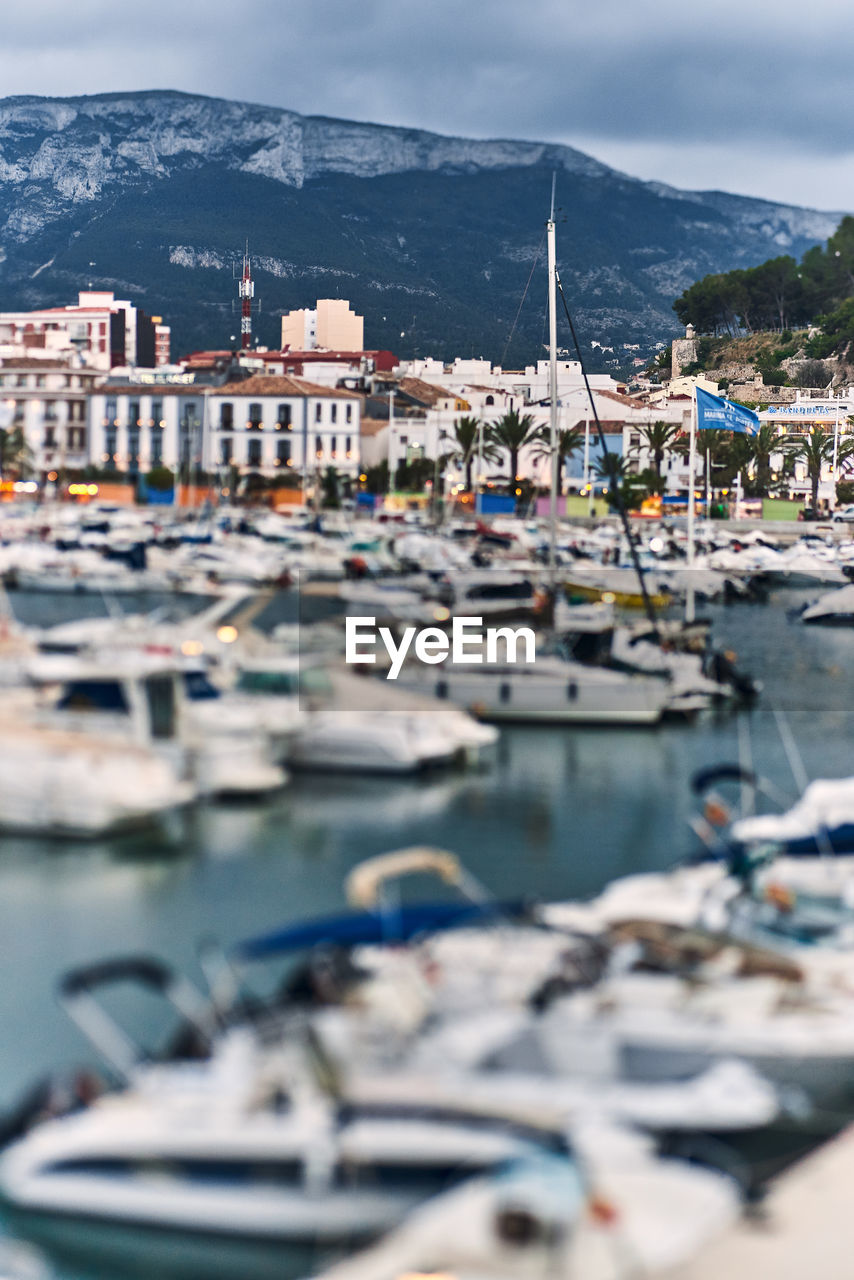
point(559, 813)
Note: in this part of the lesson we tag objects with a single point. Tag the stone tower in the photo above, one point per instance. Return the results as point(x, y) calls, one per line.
point(684, 351)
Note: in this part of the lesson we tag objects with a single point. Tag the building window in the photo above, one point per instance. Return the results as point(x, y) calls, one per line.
point(333, 445)
point(112, 410)
point(133, 413)
point(156, 446)
point(283, 416)
point(225, 452)
point(348, 413)
point(318, 412)
point(111, 444)
point(157, 413)
point(255, 453)
point(333, 413)
point(283, 452)
point(226, 417)
point(255, 415)
point(348, 445)
point(49, 437)
point(318, 446)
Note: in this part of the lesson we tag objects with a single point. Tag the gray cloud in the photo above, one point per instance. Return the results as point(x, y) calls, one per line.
point(761, 97)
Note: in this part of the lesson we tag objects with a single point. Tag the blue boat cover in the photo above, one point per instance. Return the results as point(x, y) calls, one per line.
point(400, 924)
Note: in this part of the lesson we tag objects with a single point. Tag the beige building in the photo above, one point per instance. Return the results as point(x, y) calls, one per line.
point(331, 326)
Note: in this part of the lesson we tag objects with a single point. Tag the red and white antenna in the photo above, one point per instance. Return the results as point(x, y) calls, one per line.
point(246, 292)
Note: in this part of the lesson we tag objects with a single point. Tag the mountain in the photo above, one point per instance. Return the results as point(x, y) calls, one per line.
point(437, 241)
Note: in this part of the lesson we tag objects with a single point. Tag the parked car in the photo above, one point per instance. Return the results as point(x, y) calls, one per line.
point(845, 513)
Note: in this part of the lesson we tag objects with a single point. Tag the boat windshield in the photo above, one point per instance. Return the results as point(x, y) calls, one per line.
point(94, 695)
point(270, 682)
point(198, 687)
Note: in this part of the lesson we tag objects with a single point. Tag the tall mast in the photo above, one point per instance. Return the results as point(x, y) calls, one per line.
point(246, 292)
point(552, 262)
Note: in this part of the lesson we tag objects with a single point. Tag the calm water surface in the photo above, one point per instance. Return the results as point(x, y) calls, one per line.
point(558, 814)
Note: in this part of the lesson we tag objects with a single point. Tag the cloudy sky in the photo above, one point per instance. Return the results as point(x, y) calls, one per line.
point(741, 96)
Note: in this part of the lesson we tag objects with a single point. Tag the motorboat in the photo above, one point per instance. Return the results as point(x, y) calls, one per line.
point(454, 1013)
point(834, 609)
point(697, 678)
point(690, 999)
point(551, 690)
point(239, 1142)
point(535, 1220)
point(343, 723)
point(61, 783)
point(142, 699)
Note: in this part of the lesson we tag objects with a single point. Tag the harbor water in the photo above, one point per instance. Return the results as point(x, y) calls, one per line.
point(557, 814)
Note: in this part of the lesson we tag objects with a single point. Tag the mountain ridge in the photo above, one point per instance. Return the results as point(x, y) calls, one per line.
point(396, 213)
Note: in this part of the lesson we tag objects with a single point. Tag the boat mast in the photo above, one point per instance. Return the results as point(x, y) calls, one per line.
point(692, 462)
point(552, 265)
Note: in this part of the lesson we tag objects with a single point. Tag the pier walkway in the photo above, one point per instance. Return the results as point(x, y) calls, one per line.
point(805, 1226)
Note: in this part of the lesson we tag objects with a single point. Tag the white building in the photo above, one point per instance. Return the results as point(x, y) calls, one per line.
point(104, 331)
point(48, 399)
point(263, 423)
point(799, 417)
point(530, 384)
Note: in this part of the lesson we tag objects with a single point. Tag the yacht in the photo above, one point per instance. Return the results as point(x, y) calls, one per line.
point(239, 1141)
point(142, 699)
point(551, 690)
point(61, 783)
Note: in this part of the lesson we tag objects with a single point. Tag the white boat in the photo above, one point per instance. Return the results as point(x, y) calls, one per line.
point(67, 784)
point(349, 724)
point(663, 1026)
point(642, 1213)
point(835, 609)
point(142, 699)
point(382, 742)
point(241, 1143)
point(547, 691)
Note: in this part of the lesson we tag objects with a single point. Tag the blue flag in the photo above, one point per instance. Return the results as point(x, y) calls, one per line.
point(715, 412)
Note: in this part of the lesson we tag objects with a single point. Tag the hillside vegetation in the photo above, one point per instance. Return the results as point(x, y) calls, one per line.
point(780, 295)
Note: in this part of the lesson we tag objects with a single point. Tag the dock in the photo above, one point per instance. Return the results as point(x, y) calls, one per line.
point(803, 1228)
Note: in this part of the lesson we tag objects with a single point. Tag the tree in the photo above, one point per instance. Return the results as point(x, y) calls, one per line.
point(763, 445)
point(569, 441)
point(376, 478)
point(329, 485)
point(412, 476)
point(464, 445)
point(816, 450)
point(160, 479)
point(739, 457)
point(15, 454)
point(512, 432)
point(659, 438)
point(614, 469)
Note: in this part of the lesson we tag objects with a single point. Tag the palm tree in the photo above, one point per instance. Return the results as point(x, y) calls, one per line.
point(659, 438)
point(511, 433)
point(464, 445)
point(613, 468)
point(739, 456)
point(569, 441)
point(763, 444)
point(816, 450)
